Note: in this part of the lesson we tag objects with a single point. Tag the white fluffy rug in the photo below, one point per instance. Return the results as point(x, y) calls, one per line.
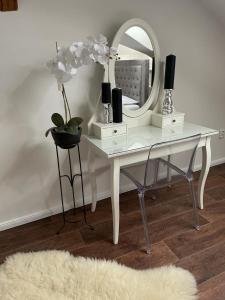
point(57, 275)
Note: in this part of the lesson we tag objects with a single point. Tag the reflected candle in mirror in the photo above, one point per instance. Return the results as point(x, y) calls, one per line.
point(106, 92)
point(117, 105)
point(170, 72)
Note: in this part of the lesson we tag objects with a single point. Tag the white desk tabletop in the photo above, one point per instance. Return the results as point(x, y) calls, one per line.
point(142, 138)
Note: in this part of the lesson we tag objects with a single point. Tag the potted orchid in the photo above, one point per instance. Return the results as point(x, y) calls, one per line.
point(67, 130)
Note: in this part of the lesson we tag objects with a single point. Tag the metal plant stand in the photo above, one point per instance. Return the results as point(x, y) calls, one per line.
point(71, 177)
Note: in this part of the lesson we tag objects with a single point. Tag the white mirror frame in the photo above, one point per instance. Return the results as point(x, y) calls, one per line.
point(155, 88)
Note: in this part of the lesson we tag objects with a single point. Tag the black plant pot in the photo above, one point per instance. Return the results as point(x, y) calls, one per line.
point(66, 140)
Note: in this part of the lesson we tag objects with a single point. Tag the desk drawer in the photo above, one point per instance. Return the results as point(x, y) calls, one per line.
point(114, 131)
point(164, 121)
point(177, 119)
point(103, 131)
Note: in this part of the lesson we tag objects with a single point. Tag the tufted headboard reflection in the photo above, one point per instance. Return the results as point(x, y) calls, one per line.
point(132, 76)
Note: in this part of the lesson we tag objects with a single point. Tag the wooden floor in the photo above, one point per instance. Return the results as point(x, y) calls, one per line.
point(174, 240)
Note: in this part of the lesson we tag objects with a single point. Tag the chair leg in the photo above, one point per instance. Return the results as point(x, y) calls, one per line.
point(195, 208)
point(156, 171)
point(144, 220)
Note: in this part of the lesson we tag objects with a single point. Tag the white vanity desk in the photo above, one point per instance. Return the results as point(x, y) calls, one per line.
point(134, 147)
point(139, 73)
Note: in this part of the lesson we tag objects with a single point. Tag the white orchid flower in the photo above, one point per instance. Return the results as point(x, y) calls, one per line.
point(113, 51)
point(101, 49)
point(103, 60)
point(76, 48)
point(58, 69)
point(86, 57)
point(61, 66)
point(89, 43)
point(69, 59)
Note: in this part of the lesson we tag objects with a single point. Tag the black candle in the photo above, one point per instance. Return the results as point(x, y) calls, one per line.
point(170, 72)
point(117, 105)
point(153, 71)
point(106, 92)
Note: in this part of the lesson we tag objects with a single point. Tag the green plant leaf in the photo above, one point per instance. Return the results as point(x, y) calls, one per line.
point(57, 119)
point(47, 132)
point(72, 129)
point(76, 121)
point(60, 129)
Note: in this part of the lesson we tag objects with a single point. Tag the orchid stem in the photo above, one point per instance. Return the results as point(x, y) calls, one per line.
point(66, 104)
point(63, 89)
point(66, 100)
point(57, 48)
point(108, 71)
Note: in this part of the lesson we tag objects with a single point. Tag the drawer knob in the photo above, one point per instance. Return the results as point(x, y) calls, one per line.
point(174, 120)
point(115, 131)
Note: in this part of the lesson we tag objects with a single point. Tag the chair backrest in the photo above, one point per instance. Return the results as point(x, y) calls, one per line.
point(194, 140)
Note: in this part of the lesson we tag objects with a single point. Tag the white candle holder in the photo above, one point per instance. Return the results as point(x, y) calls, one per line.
point(107, 113)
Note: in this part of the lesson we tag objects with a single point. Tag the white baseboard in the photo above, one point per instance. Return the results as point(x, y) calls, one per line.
point(55, 210)
point(216, 162)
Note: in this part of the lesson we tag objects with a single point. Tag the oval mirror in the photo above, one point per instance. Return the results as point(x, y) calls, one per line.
point(136, 71)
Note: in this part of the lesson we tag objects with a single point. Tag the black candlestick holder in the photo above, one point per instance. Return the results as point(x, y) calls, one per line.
point(71, 177)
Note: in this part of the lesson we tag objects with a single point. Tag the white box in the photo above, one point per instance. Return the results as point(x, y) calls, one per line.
point(163, 121)
point(103, 131)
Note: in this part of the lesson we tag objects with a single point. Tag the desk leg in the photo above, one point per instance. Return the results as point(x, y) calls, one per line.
point(206, 161)
point(169, 176)
point(115, 187)
point(92, 178)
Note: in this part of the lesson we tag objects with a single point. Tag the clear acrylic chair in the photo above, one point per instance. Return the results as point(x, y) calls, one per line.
point(188, 175)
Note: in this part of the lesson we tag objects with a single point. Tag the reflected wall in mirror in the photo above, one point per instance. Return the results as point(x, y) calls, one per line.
point(134, 71)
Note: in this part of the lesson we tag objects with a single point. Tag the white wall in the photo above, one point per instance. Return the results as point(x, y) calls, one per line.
point(28, 93)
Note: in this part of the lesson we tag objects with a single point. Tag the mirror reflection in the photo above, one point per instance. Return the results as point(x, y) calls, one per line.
point(134, 72)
